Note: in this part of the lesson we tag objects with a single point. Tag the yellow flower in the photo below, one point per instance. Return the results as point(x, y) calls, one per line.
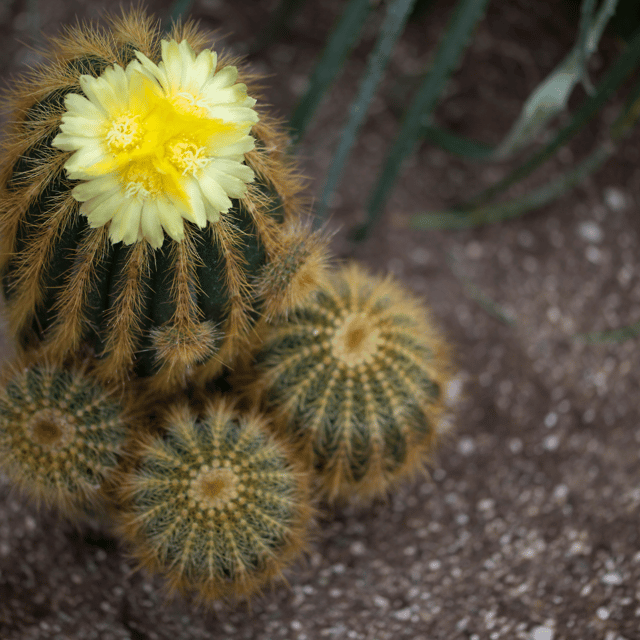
point(156, 144)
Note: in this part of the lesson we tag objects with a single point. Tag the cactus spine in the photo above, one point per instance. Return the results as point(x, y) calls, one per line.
point(216, 505)
point(61, 434)
point(162, 311)
point(353, 378)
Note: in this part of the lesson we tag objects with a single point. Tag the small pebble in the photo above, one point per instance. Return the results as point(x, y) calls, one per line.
point(542, 633)
point(615, 199)
point(403, 614)
point(613, 578)
point(590, 231)
point(358, 548)
point(593, 255)
point(466, 446)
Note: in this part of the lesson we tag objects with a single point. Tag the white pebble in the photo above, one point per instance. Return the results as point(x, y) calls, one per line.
point(593, 255)
point(542, 633)
point(615, 199)
point(515, 445)
point(466, 446)
point(403, 614)
point(453, 391)
point(613, 578)
point(553, 314)
point(358, 548)
point(590, 231)
point(474, 250)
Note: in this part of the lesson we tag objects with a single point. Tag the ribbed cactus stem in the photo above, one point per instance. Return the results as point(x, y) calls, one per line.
point(353, 378)
point(61, 434)
point(217, 505)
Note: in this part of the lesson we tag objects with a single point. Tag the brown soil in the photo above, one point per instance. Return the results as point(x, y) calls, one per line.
point(528, 527)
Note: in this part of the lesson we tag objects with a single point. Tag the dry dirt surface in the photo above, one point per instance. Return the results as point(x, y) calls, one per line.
point(528, 526)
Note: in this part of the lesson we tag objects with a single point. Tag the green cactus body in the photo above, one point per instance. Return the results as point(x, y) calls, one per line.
point(354, 378)
point(216, 505)
point(61, 435)
point(164, 311)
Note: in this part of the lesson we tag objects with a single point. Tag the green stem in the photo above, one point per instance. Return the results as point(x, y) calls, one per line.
point(517, 207)
point(466, 15)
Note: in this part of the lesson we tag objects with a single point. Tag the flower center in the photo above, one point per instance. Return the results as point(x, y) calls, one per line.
point(186, 156)
point(125, 134)
point(214, 487)
point(355, 340)
point(167, 140)
point(142, 180)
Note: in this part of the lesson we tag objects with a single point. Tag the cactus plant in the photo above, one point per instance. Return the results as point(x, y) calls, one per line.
point(216, 505)
point(144, 192)
point(61, 434)
point(354, 379)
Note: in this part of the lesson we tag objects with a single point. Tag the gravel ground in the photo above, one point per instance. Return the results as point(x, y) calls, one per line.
point(528, 526)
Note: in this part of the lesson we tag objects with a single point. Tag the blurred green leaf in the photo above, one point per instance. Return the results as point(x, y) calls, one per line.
point(342, 39)
point(466, 15)
point(614, 335)
point(551, 96)
point(457, 145)
point(616, 75)
point(499, 212)
point(397, 15)
point(626, 119)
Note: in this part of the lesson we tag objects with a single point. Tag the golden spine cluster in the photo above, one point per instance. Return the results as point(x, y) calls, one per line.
point(123, 323)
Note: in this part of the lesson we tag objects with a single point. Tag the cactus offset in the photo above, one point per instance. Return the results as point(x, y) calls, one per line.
point(217, 505)
point(290, 277)
point(61, 434)
point(161, 301)
point(353, 378)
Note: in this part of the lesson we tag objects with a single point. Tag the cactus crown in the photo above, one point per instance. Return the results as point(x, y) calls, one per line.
point(354, 378)
point(216, 505)
point(61, 434)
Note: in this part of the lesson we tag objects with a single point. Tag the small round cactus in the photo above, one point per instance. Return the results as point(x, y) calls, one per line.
point(61, 434)
point(354, 379)
point(216, 505)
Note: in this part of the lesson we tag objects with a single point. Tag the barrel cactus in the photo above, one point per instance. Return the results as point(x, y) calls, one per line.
point(216, 505)
point(144, 196)
point(62, 434)
point(354, 379)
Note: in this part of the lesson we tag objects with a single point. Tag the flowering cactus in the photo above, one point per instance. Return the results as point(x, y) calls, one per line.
point(145, 193)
